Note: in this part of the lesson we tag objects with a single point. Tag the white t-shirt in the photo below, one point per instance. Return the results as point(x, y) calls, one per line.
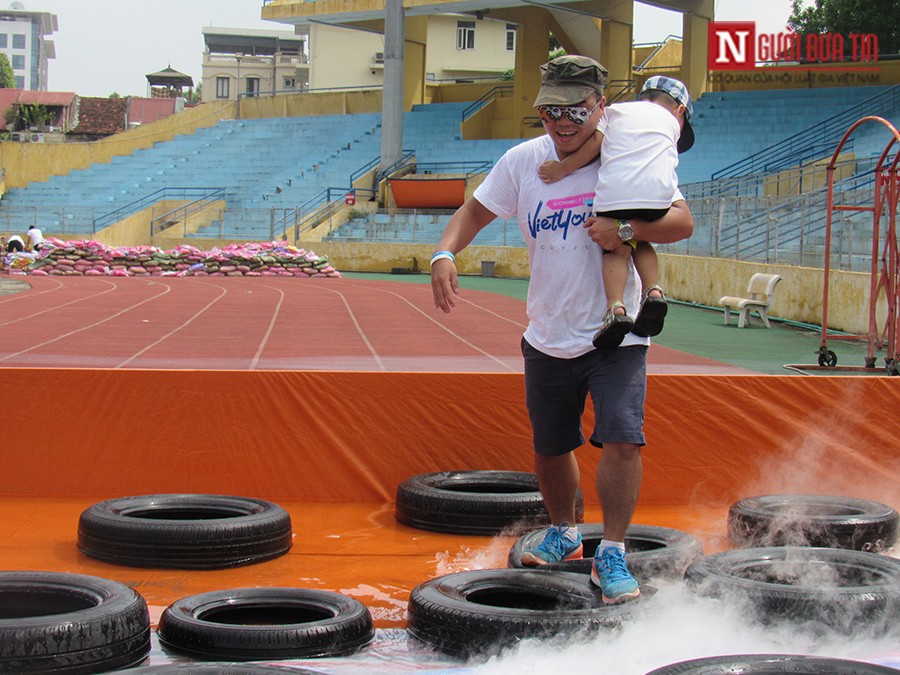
point(566, 300)
point(639, 154)
point(36, 236)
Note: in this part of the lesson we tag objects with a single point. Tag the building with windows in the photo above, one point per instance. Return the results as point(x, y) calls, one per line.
point(326, 56)
point(456, 47)
point(23, 40)
point(252, 61)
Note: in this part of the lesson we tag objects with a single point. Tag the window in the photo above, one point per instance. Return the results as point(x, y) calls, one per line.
point(290, 83)
point(3, 39)
point(252, 86)
point(20, 81)
point(222, 87)
point(465, 35)
point(18, 42)
point(510, 37)
point(18, 62)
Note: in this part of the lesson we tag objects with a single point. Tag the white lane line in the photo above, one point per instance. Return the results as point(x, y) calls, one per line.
point(89, 326)
point(177, 328)
point(265, 339)
point(359, 329)
point(493, 313)
point(31, 292)
point(112, 287)
point(448, 330)
point(514, 322)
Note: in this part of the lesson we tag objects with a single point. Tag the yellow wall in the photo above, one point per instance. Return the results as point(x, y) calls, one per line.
point(304, 105)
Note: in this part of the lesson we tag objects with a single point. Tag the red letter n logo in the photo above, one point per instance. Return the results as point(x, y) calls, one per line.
point(732, 45)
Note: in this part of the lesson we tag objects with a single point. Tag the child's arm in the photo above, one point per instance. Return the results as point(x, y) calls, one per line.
point(552, 171)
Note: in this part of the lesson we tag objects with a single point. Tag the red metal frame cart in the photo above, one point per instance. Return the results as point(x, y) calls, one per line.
point(885, 275)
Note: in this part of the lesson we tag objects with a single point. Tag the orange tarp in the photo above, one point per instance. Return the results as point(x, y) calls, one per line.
point(354, 436)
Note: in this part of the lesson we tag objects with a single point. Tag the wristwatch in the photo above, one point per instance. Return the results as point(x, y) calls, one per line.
point(626, 232)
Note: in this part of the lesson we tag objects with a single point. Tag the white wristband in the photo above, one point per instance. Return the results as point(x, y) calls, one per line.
point(441, 255)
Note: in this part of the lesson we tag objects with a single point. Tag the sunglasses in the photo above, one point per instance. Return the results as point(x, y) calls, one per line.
point(576, 114)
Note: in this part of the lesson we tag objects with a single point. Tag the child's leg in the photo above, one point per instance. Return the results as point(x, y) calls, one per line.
point(646, 264)
point(615, 274)
point(652, 314)
point(616, 323)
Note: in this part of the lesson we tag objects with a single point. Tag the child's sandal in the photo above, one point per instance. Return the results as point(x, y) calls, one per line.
point(652, 314)
point(613, 329)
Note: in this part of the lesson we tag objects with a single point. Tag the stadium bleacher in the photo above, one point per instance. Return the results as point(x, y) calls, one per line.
point(268, 166)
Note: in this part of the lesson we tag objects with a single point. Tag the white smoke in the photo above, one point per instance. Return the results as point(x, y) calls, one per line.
point(678, 626)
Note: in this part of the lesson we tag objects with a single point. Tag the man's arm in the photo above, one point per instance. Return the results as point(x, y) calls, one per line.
point(468, 221)
point(676, 225)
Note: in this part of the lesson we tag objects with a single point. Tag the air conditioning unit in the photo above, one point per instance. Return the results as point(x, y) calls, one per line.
point(18, 136)
point(379, 57)
point(36, 138)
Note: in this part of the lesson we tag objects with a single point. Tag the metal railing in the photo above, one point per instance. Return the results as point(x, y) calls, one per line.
point(794, 179)
point(328, 209)
point(467, 169)
point(786, 230)
point(823, 136)
point(619, 90)
point(484, 99)
point(142, 203)
point(181, 214)
point(404, 165)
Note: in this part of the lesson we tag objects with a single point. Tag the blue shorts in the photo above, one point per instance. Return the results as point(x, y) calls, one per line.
point(556, 391)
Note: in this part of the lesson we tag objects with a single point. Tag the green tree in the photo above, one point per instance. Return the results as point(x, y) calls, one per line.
point(193, 97)
point(7, 78)
point(850, 16)
point(35, 115)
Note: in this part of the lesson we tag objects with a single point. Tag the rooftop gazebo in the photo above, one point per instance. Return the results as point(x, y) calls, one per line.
point(169, 83)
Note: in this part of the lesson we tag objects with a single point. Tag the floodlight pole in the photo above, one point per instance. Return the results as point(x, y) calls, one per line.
point(392, 96)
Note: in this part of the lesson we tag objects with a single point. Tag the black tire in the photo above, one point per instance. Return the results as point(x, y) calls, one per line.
point(185, 531)
point(217, 669)
point(481, 612)
point(248, 624)
point(813, 520)
point(766, 664)
point(653, 552)
point(53, 622)
point(847, 591)
point(474, 502)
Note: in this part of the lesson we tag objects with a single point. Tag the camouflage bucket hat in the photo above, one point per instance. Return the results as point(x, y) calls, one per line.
point(568, 80)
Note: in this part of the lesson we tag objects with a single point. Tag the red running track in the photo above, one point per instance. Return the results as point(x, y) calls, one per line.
point(270, 324)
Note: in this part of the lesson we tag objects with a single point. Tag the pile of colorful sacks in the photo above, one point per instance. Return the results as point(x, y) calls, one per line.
point(255, 259)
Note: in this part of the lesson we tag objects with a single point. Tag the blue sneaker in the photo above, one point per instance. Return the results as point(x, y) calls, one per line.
point(554, 548)
point(610, 573)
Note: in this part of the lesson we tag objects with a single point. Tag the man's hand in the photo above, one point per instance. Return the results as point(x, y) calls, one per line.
point(444, 284)
point(604, 231)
